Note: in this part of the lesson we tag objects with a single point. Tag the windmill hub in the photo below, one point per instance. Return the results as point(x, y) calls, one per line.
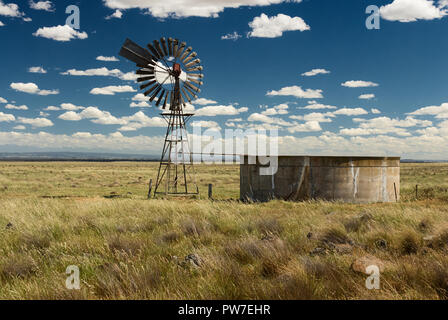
point(171, 76)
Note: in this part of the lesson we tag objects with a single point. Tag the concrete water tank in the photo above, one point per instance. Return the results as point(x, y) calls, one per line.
point(347, 179)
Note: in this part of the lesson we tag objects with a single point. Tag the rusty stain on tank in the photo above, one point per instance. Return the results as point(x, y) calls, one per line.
point(301, 178)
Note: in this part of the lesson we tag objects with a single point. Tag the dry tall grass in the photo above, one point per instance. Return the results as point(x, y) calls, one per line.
point(53, 215)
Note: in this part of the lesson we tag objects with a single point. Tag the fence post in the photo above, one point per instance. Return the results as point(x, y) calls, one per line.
point(416, 191)
point(210, 191)
point(150, 189)
point(395, 189)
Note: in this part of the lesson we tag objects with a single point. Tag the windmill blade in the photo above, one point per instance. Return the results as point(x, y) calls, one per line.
point(154, 51)
point(170, 46)
point(191, 56)
point(132, 51)
point(192, 63)
point(195, 75)
point(175, 47)
point(147, 93)
point(165, 48)
point(166, 99)
point(158, 48)
point(186, 52)
point(142, 71)
point(193, 87)
point(191, 92)
point(145, 78)
point(195, 81)
point(186, 95)
point(197, 68)
point(181, 49)
point(160, 98)
point(155, 94)
point(146, 85)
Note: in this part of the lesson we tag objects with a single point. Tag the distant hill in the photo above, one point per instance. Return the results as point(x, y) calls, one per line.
point(75, 156)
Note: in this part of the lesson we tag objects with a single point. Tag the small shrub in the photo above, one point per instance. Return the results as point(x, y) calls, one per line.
point(18, 267)
point(409, 244)
point(336, 236)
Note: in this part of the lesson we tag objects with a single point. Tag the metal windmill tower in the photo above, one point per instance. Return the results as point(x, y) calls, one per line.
point(171, 75)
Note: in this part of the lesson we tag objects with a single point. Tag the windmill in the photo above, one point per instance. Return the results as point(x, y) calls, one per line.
point(170, 75)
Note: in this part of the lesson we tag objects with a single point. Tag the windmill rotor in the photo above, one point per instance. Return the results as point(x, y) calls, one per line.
point(170, 72)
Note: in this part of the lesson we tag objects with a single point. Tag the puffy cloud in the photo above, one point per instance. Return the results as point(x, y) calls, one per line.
point(52, 108)
point(70, 116)
point(206, 124)
point(37, 70)
point(359, 84)
point(375, 111)
point(36, 122)
point(315, 116)
point(42, 5)
point(60, 33)
point(211, 111)
point(350, 112)
point(3, 100)
point(276, 110)
point(368, 96)
point(71, 107)
point(2, 24)
point(310, 126)
point(273, 27)
point(4, 117)
point(101, 72)
point(117, 15)
point(440, 112)
point(10, 10)
point(141, 104)
point(413, 10)
point(384, 125)
point(32, 88)
point(297, 92)
point(315, 72)
point(187, 8)
point(231, 36)
point(107, 59)
point(19, 127)
point(203, 101)
point(111, 90)
point(318, 106)
point(14, 107)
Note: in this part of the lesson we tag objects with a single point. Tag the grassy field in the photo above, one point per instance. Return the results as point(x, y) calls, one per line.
point(96, 216)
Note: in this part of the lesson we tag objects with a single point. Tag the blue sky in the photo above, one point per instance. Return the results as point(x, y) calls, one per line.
point(372, 92)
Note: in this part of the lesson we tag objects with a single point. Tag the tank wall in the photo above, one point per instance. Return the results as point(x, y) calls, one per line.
point(348, 179)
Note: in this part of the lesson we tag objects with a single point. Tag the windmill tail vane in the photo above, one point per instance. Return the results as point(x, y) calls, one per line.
point(170, 75)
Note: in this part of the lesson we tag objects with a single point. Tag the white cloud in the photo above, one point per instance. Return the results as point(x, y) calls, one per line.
point(102, 72)
point(206, 124)
point(359, 84)
point(52, 108)
point(315, 116)
point(111, 90)
point(139, 97)
point(203, 101)
point(310, 126)
point(187, 8)
point(117, 15)
point(211, 111)
point(141, 104)
point(273, 27)
point(413, 10)
point(42, 5)
point(37, 70)
point(4, 117)
point(19, 127)
point(71, 107)
point(2, 24)
point(385, 125)
point(318, 106)
point(3, 100)
point(440, 112)
point(315, 72)
point(32, 88)
point(297, 92)
point(60, 33)
point(375, 111)
point(70, 116)
point(36, 122)
point(10, 10)
point(350, 112)
point(231, 36)
point(107, 59)
point(367, 96)
point(14, 107)
point(281, 109)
